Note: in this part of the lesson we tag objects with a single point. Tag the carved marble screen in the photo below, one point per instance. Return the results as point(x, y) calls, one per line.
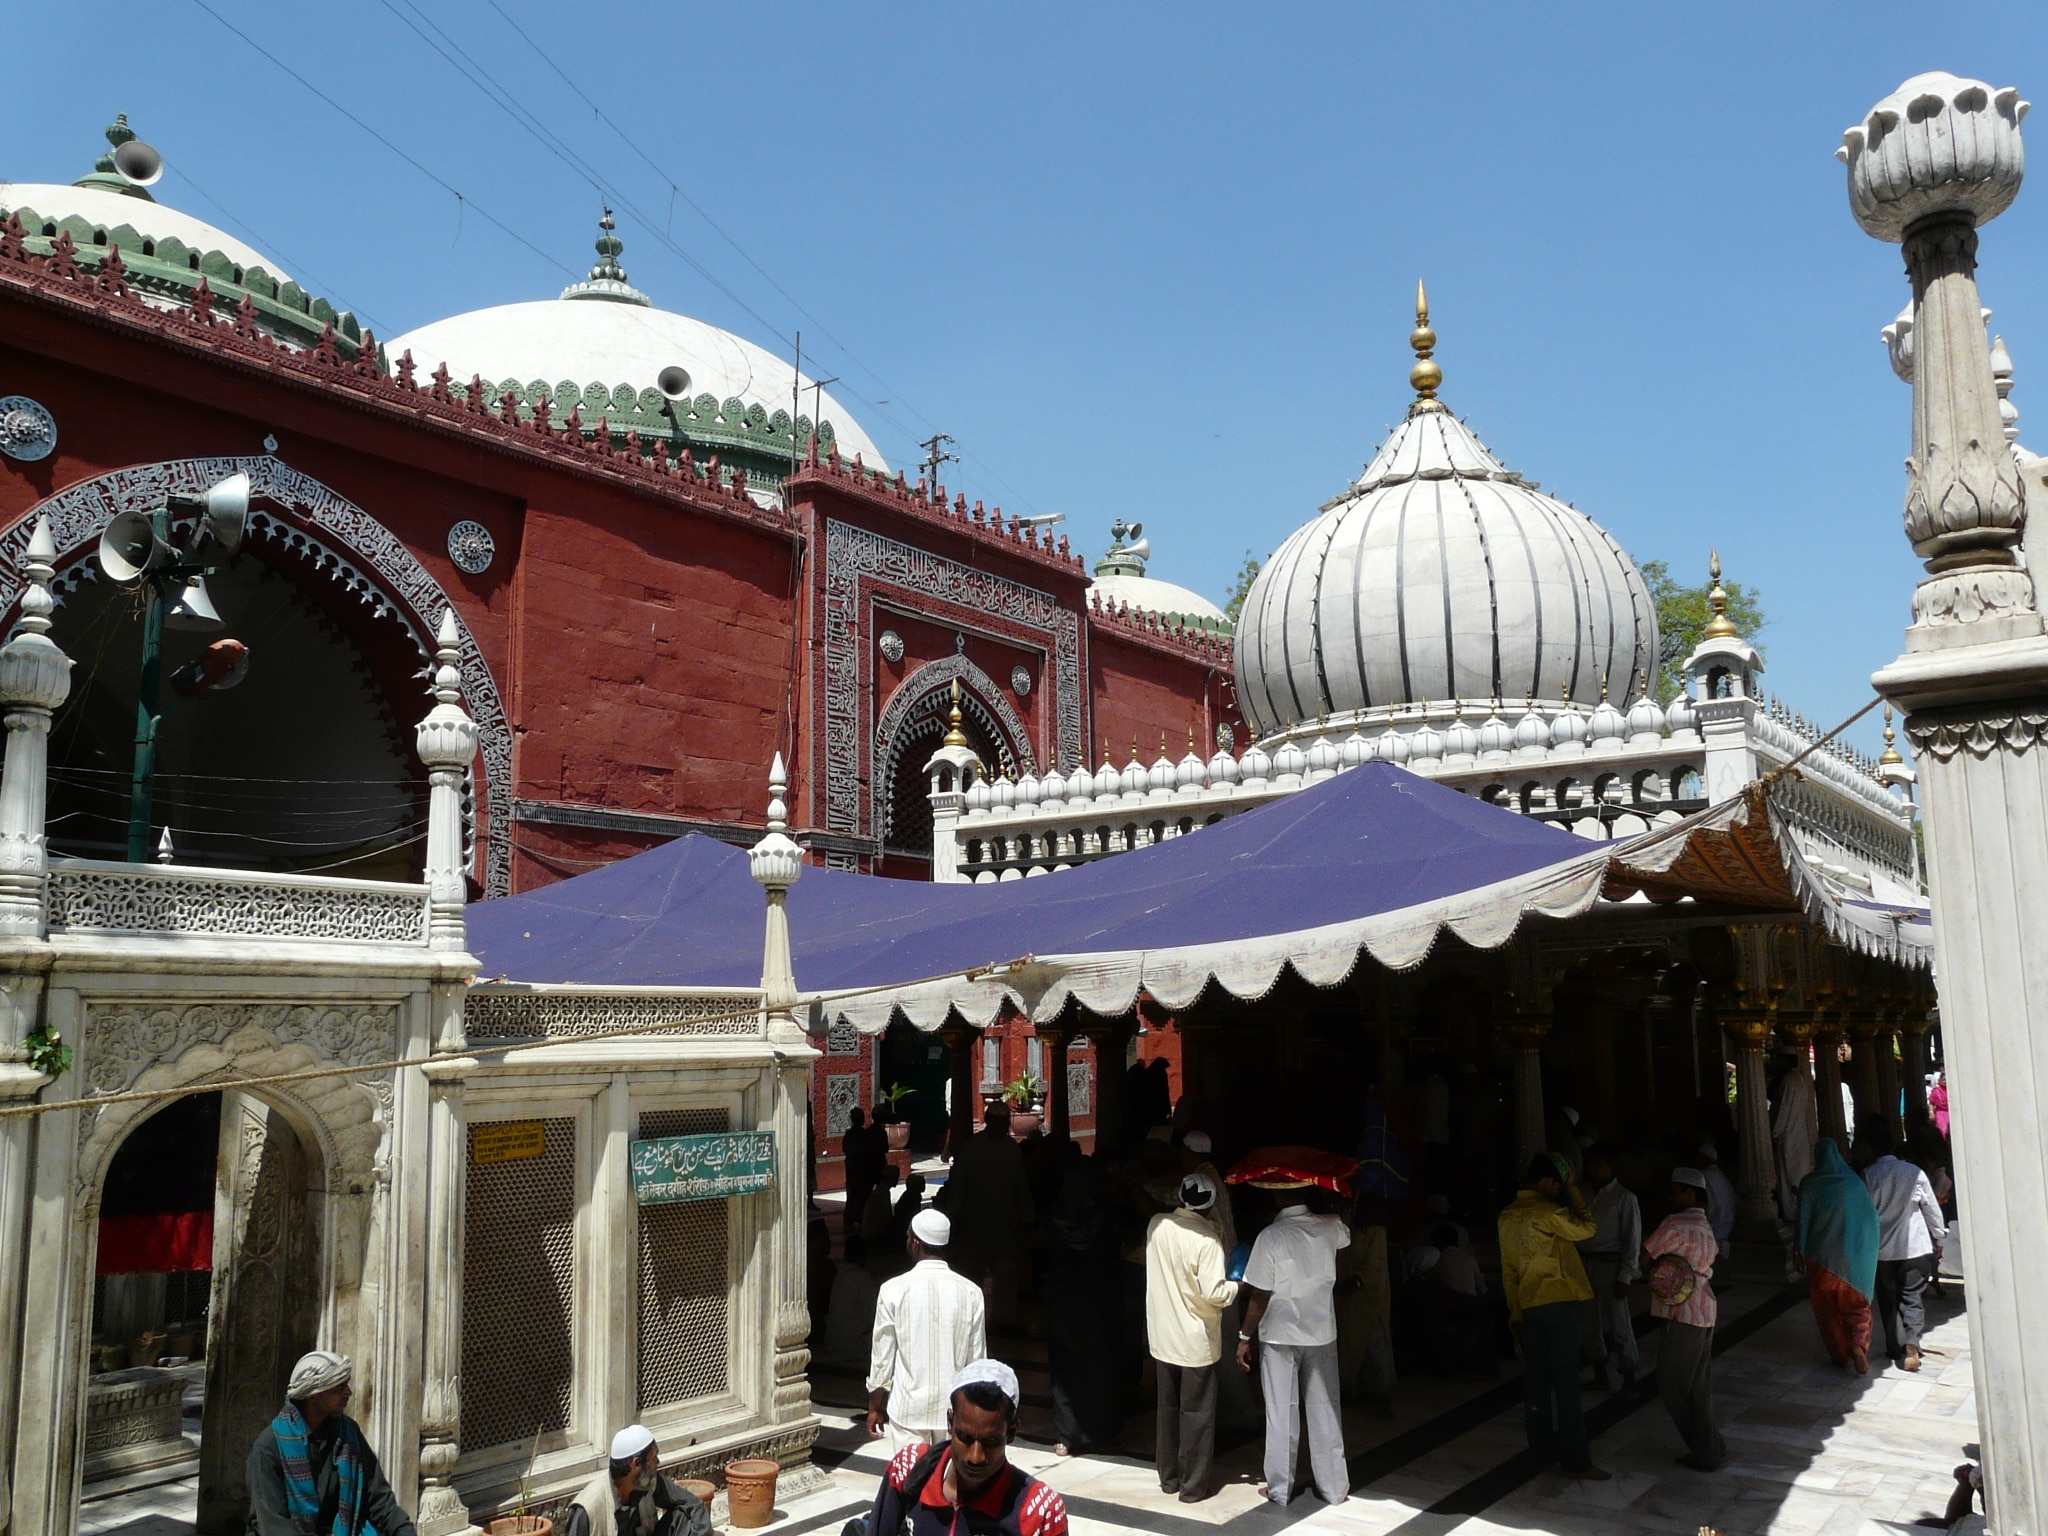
point(684, 1266)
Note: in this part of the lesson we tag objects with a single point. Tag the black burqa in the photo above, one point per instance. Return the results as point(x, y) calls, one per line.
point(1083, 1310)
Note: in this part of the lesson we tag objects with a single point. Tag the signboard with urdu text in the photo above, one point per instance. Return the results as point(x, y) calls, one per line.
point(507, 1141)
point(668, 1169)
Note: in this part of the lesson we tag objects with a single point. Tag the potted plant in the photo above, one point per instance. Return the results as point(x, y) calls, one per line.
point(519, 1522)
point(1023, 1093)
point(897, 1128)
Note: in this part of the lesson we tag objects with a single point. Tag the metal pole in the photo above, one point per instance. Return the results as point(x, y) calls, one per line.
point(146, 714)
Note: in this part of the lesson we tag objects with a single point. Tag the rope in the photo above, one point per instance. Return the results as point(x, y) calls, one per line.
point(313, 1074)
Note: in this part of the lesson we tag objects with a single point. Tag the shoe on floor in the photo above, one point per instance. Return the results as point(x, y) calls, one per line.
point(1589, 1475)
point(1195, 1495)
point(1696, 1463)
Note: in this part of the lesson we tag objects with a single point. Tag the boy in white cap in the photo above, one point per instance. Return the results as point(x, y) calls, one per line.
point(1186, 1293)
point(630, 1497)
point(311, 1473)
point(929, 1322)
point(968, 1483)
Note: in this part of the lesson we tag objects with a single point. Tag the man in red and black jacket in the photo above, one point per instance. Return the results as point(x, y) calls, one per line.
point(965, 1486)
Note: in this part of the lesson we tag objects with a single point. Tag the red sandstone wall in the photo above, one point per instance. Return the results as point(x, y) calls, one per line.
point(1142, 692)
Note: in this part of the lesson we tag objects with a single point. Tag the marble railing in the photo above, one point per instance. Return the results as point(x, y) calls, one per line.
point(88, 896)
point(1607, 775)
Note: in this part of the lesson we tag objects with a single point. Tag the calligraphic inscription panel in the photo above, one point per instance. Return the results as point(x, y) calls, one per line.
point(674, 1168)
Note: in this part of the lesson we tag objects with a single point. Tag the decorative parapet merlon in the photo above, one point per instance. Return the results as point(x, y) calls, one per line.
point(929, 504)
point(501, 1012)
point(139, 900)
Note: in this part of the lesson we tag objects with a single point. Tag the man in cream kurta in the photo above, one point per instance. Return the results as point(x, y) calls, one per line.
point(1186, 1293)
point(929, 1322)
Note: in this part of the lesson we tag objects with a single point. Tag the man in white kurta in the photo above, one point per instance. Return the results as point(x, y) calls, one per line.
point(1291, 1280)
point(929, 1322)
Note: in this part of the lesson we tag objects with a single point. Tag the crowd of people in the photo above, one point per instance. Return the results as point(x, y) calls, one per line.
point(1221, 1306)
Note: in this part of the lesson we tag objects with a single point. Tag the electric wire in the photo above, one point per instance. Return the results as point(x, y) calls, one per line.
point(261, 241)
point(452, 190)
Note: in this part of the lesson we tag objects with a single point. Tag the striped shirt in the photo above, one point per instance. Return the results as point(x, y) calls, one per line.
point(929, 1322)
point(1688, 1234)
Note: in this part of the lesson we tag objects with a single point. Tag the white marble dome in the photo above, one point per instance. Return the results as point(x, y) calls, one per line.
point(139, 212)
point(1120, 579)
point(605, 331)
point(1440, 575)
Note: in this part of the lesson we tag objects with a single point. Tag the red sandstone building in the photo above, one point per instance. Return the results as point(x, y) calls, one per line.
point(665, 570)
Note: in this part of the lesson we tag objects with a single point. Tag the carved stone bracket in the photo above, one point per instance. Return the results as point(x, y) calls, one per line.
point(1942, 733)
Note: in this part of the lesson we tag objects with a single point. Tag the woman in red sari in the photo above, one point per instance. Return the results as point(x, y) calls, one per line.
point(1838, 1236)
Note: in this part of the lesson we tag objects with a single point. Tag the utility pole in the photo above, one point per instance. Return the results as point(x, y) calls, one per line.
point(935, 455)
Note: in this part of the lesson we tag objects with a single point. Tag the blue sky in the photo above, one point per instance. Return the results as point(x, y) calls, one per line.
point(1159, 262)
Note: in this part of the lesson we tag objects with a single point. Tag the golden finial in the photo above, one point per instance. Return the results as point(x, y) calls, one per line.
point(1425, 377)
point(1106, 760)
point(1603, 687)
point(1891, 758)
point(1720, 626)
point(955, 737)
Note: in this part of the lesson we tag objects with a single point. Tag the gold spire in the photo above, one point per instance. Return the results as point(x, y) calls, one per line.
point(1891, 758)
point(955, 737)
point(1425, 376)
point(1720, 626)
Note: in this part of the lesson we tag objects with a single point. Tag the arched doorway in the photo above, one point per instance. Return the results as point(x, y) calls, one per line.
point(372, 592)
point(919, 1062)
point(305, 766)
point(911, 728)
point(207, 1289)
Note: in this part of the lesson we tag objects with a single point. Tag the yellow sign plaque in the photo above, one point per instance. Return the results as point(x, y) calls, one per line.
point(507, 1141)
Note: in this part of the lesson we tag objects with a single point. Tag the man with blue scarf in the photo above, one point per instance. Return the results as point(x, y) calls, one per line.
point(312, 1473)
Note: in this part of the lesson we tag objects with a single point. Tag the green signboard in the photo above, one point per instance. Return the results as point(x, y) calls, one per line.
point(675, 1168)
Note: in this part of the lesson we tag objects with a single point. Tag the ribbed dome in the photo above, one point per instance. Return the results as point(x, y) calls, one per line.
point(1440, 576)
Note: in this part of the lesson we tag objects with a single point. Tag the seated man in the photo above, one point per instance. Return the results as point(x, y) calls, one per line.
point(630, 1497)
point(311, 1473)
point(966, 1482)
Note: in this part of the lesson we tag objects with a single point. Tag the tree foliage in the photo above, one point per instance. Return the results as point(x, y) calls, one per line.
point(1682, 614)
point(1242, 585)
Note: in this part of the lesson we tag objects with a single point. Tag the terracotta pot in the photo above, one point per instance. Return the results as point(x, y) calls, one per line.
point(1022, 1123)
point(899, 1134)
point(704, 1491)
point(750, 1492)
point(522, 1525)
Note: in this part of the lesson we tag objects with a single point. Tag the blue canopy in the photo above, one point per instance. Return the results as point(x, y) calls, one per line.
point(1376, 858)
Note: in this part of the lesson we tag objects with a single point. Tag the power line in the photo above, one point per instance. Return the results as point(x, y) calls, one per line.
point(445, 186)
point(262, 241)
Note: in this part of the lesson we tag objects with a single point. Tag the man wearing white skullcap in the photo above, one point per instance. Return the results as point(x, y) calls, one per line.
point(311, 1473)
point(630, 1497)
point(968, 1481)
point(928, 1323)
point(1186, 1294)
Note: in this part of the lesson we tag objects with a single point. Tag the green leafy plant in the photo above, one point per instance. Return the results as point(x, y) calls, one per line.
point(47, 1052)
point(893, 1096)
point(1024, 1090)
point(1241, 586)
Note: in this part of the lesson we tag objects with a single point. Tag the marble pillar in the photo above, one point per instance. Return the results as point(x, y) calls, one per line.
point(1914, 1027)
point(1928, 164)
point(1863, 1027)
point(1059, 1112)
point(1827, 1076)
point(1526, 1032)
point(1888, 1090)
point(963, 1118)
point(441, 1510)
point(1749, 1032)
point(1110, 1044)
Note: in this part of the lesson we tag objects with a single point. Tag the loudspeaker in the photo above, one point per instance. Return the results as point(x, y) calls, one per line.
point(192, 609)
point(222, 510)
point(673, 382)
point(130, 548)
point(138, 164)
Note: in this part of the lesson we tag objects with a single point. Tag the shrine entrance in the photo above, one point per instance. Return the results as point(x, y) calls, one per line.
point(207, 1291)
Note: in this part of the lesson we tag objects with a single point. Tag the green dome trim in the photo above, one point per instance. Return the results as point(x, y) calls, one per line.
point(170, 269)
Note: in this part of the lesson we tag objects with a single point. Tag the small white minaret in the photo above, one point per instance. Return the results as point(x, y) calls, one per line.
point(952, 771)
point(446, 742)
point(1722, 672)
point(35, 677)
point(777, 862)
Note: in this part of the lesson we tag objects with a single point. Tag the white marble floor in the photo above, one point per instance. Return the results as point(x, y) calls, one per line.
point(1813, 1452)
